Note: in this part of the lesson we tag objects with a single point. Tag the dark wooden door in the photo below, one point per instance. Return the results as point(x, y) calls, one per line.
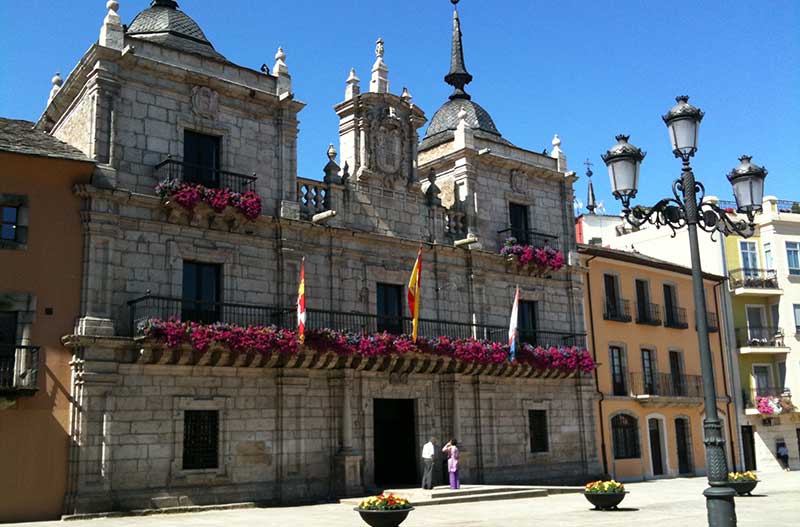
point(518, 217)
point(612, 295)
point(648, 373)
point(390, 308)
point(657, 457)
point(642, 300)
point(526, 322)
point(617, 372)
point(676, 374)
point(202, 292)
point(749, 447)
point(395, 448)
point(670, 305)
point(201, 157)
point(684, 447)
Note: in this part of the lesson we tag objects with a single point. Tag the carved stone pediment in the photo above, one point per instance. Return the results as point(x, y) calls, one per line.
point(205, 102)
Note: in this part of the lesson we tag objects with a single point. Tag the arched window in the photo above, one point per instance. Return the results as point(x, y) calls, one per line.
point(625, 433)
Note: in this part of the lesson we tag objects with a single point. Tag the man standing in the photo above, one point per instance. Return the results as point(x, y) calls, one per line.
point(783, 456)
point(427, 460)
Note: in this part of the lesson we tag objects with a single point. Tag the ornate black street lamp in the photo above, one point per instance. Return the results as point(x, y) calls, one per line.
point(687, 208)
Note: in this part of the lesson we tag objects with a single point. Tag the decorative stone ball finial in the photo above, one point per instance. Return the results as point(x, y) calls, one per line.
point(332, 152)
point(454, 2)
point(57, 80)
point(112, 5)
point(379, 50)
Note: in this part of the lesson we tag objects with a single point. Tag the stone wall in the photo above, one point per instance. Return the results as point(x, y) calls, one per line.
point(281, 429)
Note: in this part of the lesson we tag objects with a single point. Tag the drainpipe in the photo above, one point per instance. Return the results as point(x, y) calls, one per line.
point(725, 377)
point(596, 376)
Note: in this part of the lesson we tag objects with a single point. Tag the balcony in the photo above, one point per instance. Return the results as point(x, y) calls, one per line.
point(675, 318)
point(665, 389)
point(619, 311)
point(778, 399)
point(647, 313)
point(758, 340)
point(536, 239)
point(712, 322)
point(19, 369)
point(202, 175)
point(754, 282)
point(149, 307)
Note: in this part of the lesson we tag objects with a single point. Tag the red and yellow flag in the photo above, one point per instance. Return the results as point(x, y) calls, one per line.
point(413, 293)
point(301, 303)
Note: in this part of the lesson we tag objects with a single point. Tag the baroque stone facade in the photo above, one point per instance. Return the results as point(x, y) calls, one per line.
point(299, 429)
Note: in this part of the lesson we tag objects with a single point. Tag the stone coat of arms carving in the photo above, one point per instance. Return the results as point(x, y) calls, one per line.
point(205, 102)
point(388, 143)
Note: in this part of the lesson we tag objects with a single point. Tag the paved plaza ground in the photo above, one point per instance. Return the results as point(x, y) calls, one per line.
point(775, 503)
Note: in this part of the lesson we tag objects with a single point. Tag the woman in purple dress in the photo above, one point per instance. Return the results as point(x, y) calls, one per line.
point(451, 449)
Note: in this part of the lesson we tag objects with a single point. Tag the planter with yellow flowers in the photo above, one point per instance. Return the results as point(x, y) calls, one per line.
point(743, 482)
point(605, 495)
point(384, 510)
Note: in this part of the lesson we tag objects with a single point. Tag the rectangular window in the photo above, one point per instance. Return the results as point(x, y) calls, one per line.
point(201, 158)
point(618, 371)
point(537, 421)
point(648, 372)
point(644, 313)
point(676, 372)
point(518, 217)
point(390, 308)
point(526, 322)
point(8, 341)
point(200, 439)
point(796, 308)
point(782, 375)
point(768, 256)
point(793, 257)
point(202, 292)
point(9, 218)
point(749, 257)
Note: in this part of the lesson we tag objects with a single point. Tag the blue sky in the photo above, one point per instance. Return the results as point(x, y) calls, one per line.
point(586, 70)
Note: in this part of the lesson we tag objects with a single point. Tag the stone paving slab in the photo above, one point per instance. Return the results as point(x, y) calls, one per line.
point(775, 503)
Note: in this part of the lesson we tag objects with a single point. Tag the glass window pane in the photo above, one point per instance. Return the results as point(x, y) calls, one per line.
point(9, 214)
point(8, 232)
point(797, 316)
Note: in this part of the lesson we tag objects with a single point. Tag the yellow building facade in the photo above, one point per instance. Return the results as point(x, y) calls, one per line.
point(640, 320)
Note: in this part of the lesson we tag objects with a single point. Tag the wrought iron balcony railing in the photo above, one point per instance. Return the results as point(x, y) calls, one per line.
point(758, 337)
point(666, 385)
point(753, 278)
point(712, 321)
point(19, 368)
point(203, 175)
point(151, 307)
point(536, 239)
point(675, 318)
point(647, 313)
point(619, 311)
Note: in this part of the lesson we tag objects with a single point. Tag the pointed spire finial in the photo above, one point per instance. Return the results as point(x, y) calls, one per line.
point(458, 77)
point(406, 95)
point(353, 88)
point(379, 83)
point(591, 201)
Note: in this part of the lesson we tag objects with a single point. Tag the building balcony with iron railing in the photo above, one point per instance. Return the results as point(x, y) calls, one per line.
point(675, 318)
point(19, 369)
point(753, 282)
point(617, 310)
point(666, 388)
point(209, 177)
point(648, 313)
point(760, 340)
point(539, 240)
point(768, 401)
point(159, 307)
point(712, 322)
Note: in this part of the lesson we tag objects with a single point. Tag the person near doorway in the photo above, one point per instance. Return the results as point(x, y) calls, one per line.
point(783, 456)
point(451, 449)
point(427, 461)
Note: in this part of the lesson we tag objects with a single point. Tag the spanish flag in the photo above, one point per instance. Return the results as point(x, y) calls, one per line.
point(301, 303)
point(413, 293)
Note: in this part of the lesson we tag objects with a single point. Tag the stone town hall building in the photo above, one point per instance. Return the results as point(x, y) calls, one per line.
point(154, 427)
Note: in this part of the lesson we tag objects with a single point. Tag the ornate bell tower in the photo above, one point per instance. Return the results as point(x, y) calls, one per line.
point(378, 130)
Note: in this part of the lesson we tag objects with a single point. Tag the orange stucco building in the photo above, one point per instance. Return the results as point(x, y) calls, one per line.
point(640, 320)
point(41, 246)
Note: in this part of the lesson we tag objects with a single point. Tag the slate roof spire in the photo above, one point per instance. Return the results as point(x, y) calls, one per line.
point(591, 202)
point(458, 77)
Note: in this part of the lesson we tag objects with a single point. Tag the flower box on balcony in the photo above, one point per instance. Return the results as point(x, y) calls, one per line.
point(208, 207)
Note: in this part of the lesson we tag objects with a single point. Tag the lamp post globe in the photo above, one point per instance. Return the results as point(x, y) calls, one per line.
point(683, 122)
point(623, 161)
point(747, 181)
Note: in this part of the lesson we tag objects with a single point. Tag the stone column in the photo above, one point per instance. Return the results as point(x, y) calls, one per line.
point(347, 462)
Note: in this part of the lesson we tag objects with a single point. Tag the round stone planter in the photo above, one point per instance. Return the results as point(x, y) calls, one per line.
point(384, 518)
point(604, 501)
point(743, 487)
